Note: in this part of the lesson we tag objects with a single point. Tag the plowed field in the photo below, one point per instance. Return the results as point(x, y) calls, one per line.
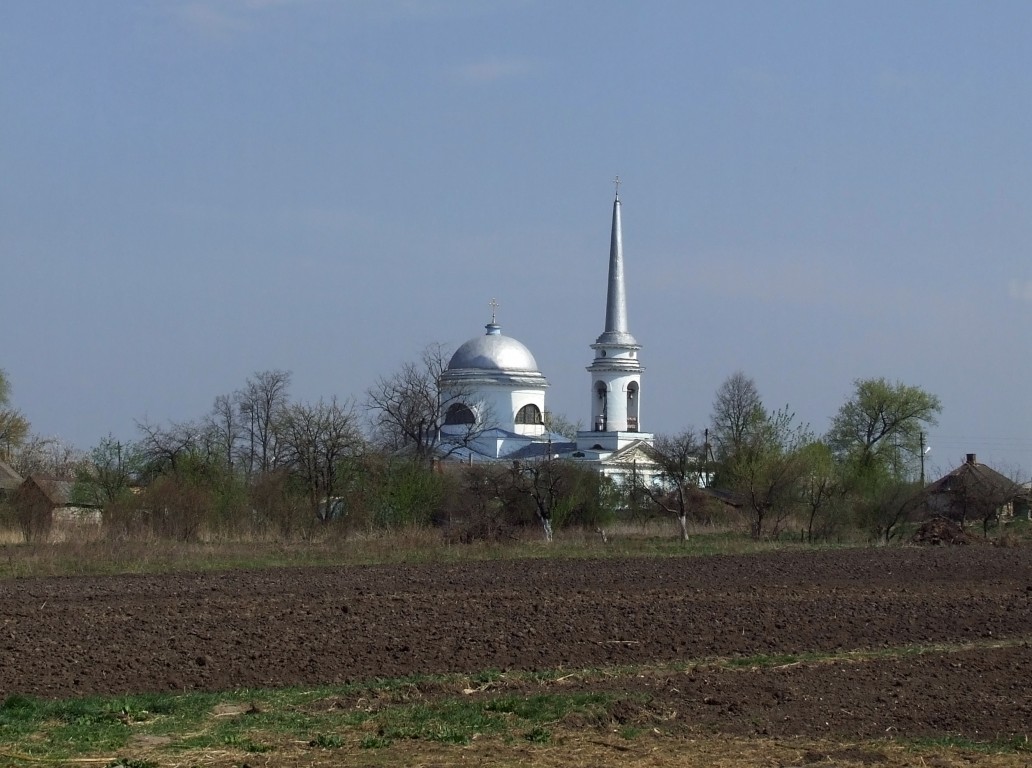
point(62, 637)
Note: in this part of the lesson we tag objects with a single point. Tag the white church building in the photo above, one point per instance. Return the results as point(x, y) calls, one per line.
point(494, 395)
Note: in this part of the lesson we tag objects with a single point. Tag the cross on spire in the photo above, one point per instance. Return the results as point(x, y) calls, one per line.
point(616, 181)
point(494, 308)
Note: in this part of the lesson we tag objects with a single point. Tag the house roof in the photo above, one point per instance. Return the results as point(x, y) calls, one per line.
point(58, 492)
point(973, 474)
point(696, 493)
point(9, 479)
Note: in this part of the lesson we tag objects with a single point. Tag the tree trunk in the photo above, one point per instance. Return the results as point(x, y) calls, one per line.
point(682, 520)
point(546, 523)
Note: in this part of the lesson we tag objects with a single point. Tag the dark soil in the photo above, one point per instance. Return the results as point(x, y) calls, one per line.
point(62, 637)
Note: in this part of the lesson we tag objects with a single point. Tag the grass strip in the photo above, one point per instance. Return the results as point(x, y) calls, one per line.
point(450, 710)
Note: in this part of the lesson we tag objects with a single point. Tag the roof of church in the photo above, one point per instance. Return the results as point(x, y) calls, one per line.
point(542, 451)
point(531, 447)
point(493, 352)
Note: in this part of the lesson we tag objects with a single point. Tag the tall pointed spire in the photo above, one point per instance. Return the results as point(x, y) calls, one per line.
point(616, 299)
point(616, 370)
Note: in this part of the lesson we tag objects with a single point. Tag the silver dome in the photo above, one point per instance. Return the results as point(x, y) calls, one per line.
point(493, 352)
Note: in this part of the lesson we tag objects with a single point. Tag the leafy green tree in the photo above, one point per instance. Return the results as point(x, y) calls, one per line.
point(14, 427)
point(590, 500)
point(761, 456)
point(878, 430)
point(823, 492)
point(768, 471)
point(107, 474)
point(407, 492)
point(885, 505)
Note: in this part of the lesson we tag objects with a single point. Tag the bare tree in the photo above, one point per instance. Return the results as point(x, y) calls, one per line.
point(185, 480)
point(989, 502)
point(224, 428)
point(49, 456)
point(409, 408)
point(163, 449)
point(682, 471)
point(738, 414)
point(318, 440)
point(261, 402)
point(559, 424)
point(473, 507)
point(544, 482)
point(886, 506)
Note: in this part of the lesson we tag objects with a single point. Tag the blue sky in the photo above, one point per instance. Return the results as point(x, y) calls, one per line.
point(813, 192)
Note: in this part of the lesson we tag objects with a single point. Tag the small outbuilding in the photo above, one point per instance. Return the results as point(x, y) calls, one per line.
point(40, 501)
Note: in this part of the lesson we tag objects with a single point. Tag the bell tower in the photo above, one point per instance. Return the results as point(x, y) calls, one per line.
point(616, 370)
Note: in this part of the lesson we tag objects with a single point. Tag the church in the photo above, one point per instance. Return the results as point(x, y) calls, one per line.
point(494, 395)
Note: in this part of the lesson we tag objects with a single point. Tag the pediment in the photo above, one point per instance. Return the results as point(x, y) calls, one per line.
point(639, 453)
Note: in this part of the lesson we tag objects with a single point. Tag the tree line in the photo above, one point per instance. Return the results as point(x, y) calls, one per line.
point(261, 462)
point(866, 473)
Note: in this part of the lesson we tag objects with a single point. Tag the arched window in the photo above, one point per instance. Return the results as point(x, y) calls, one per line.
point(632, 407)
point(602, 408)
point(529, 414)
point(459, 414)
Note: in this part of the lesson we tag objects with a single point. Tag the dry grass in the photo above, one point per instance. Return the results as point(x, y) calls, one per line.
point(78, 549)
point(566, 748)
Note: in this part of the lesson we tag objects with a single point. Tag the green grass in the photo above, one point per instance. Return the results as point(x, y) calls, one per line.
point(34, 730)
point(1017, 745)
point(95, 724)
point(322, 741)
point(451, 710)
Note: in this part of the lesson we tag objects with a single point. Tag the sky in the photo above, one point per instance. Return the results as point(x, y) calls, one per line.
point(812, 193)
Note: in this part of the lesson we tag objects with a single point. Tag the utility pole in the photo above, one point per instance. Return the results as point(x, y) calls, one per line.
point(922, 459)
